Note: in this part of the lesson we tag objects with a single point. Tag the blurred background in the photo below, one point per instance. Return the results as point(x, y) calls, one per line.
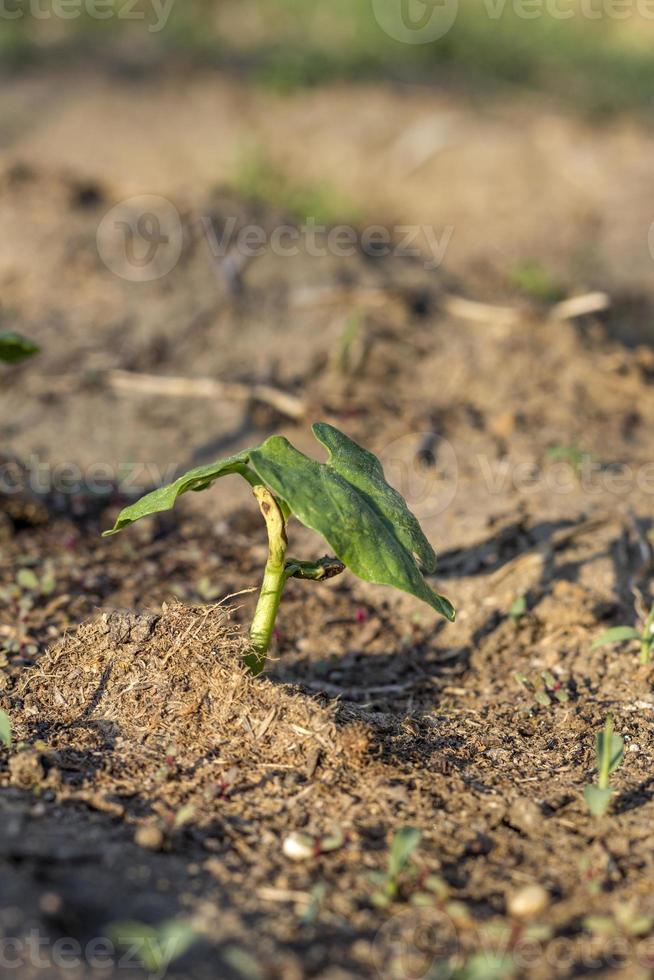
point(495, 152)
point(318, 198)
point(522, 123)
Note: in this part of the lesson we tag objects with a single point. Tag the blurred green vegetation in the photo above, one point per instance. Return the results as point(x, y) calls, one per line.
point(599, 65)
point(258, 178)
point(535, 280)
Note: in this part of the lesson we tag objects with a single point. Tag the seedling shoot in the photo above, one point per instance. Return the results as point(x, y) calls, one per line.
point(609, 748)
point(347, 500)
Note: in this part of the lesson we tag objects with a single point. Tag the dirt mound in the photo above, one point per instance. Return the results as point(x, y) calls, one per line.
point(170, 690)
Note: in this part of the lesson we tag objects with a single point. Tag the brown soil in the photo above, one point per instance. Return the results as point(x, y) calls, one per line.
point(150, 778)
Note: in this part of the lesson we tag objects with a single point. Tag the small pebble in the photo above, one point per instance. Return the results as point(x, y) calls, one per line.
point(525, 815)
point(150, 837)
point(299, 847)
point(528, 902)
point(50, 903)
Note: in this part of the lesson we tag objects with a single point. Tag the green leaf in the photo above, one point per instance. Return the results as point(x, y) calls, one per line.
point(363, 523)
point(242, 963)
point(486, 966)
point(155, 947)
point(28, 580)
point(618, 634)
point(176, 936)
point(518, 608)
point(5, 728)
point(600, 925)
point(165, 498)
point(610, 751)
point(347, 500)
point(404, 844)
point(363, 470)
point(14, 348)
point(597, 799)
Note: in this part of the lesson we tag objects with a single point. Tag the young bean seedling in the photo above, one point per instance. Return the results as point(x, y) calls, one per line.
point(610, 753)
point(347, 500)
point(624, 634)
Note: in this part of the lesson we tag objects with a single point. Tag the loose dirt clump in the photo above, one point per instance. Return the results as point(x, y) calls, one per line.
point(167, 711)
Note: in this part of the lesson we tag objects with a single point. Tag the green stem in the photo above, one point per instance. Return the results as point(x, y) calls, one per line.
point(605, 761)
point(274, 580)
point(646, 639)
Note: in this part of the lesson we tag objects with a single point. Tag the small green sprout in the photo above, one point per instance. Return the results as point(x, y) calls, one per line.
point(5, 729)
point(14, 348)
point(28, 581)
point(403, 845)
point(545, 688)
point(518, 609)
point(351, 349)
point(316, 899)
point(347, 500)
point(537, 281)
point(575, 457)
point(623, 634)
point(242, 963)
point(156, 947)
point(610, 754)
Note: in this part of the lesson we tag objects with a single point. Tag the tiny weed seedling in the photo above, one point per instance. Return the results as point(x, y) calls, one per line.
point(624, 634)
point(347, 500)
point(518, 609)
point(575, 457)
point(403, 845)
point(610, 753)
point(535, 280)
point(545, 688)
point(14, 348)
point(156, 947)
